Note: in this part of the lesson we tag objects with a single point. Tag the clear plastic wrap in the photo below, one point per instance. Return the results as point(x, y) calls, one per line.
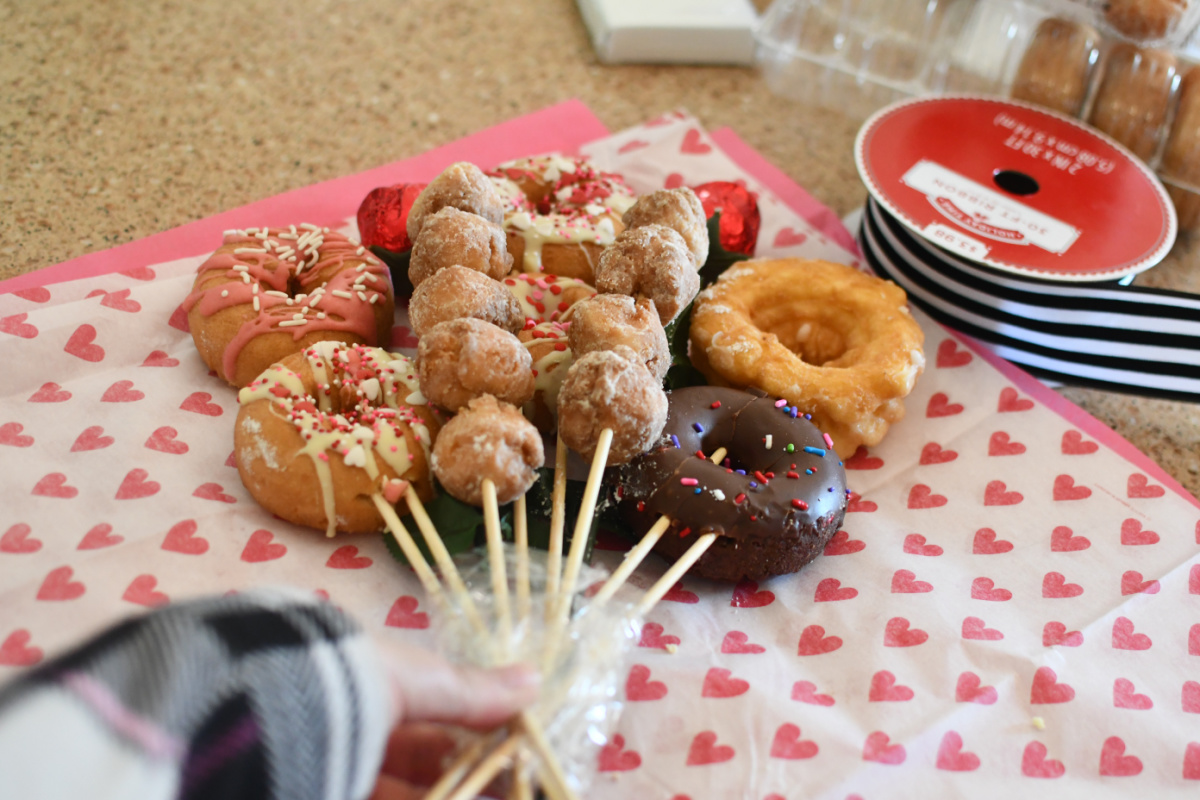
point(582, 665)
point(1126, 67)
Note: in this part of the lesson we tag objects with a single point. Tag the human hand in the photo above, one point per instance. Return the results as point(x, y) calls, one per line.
point(430, 693)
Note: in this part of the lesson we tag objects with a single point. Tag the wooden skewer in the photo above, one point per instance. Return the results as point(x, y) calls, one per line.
point(458, 769)
point(444, 561)
point(409, 547)
point(522, 786)
point(558, 513)
point(521, 541)
point(496, 561)
point(583, 523)
point(639, 552)
point(484, 771)
point(677, 570)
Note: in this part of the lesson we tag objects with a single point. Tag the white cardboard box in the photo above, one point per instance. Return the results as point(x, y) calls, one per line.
point(671, 31)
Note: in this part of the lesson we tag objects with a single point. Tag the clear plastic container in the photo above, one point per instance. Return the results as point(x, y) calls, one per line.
point(1127, 67)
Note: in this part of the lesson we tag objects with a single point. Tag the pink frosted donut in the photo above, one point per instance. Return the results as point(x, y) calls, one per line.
point(269, 292)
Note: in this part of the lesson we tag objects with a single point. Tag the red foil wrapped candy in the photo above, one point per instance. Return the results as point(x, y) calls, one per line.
point(383, 216)
point(740, 219)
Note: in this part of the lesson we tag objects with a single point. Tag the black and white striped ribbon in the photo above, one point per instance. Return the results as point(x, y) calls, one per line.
point(1104, 335)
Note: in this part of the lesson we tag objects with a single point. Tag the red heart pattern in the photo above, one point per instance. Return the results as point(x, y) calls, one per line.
point(952, 757)
point(347, 557)
point(970, 689)
point(693, 144)
point(639, 688)
point(898, 633)
point(653, 637)
point(1064, 540)
point(814, 642)
point(615, 758)
point(1035, 764)
point(136, 485)
point(262, 547)
point(921, 496)
point(15, 650)
point(1055, 633)
point(165, 440)
point(1126, 696)
point(17, 326)
point(10, 434)
point(92, 438)
point(82, 344)
point(746, 594)
point(940, 406)
point(738, 642)
point(752, 635)
point(788, 745)
point(976, 628)
point(1139, 485)
point(57, 585)
point(986, 543)
point(915, 543)
point(18, 540)
point(996, 494)
point(1124, 637)
point(1054, 584)
point(1114, 762)
point(949, 356)
point(720, 682)
point(1132, 534)
point(705, 750)
point(806, 692)
point(99, 537)
point(932, 453)
point(842, 545)
point(1002, 445)
point(55, 485)
point(143, 591)
point(1048, 689)
point(830, 590)
point(1010, 401)
point(884, 689)
point(1073, 444)
point(404, 614)
point(880, 749)
point(182, 538)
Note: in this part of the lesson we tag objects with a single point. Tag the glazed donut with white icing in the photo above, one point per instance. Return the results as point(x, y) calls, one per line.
point(325, 429)
point(560, 213)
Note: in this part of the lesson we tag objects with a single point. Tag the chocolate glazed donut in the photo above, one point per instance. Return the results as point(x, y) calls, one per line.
point(775, 502)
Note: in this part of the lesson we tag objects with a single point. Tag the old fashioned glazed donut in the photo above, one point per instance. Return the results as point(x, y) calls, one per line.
point(774, 502)
point(321, 432)
point(560, 213)
point(837, 343)
point(267, 293)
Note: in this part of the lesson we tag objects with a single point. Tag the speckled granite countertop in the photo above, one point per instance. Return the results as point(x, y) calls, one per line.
point(120, 120)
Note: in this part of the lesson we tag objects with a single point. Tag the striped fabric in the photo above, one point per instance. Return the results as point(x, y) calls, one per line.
point(1104, 335)
point(259, 695)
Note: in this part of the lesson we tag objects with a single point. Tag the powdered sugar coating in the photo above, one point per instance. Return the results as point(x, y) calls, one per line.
point(679, 209)
point(463, 186)
point(457, 237)
point(611, 389)
point(457, 292)
point(607, 321)
point(488, 439)
point(650, 261)
point(462, 359)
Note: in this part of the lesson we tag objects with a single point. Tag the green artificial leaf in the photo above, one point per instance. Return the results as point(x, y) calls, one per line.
point(458, 524)
point(682, 373)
